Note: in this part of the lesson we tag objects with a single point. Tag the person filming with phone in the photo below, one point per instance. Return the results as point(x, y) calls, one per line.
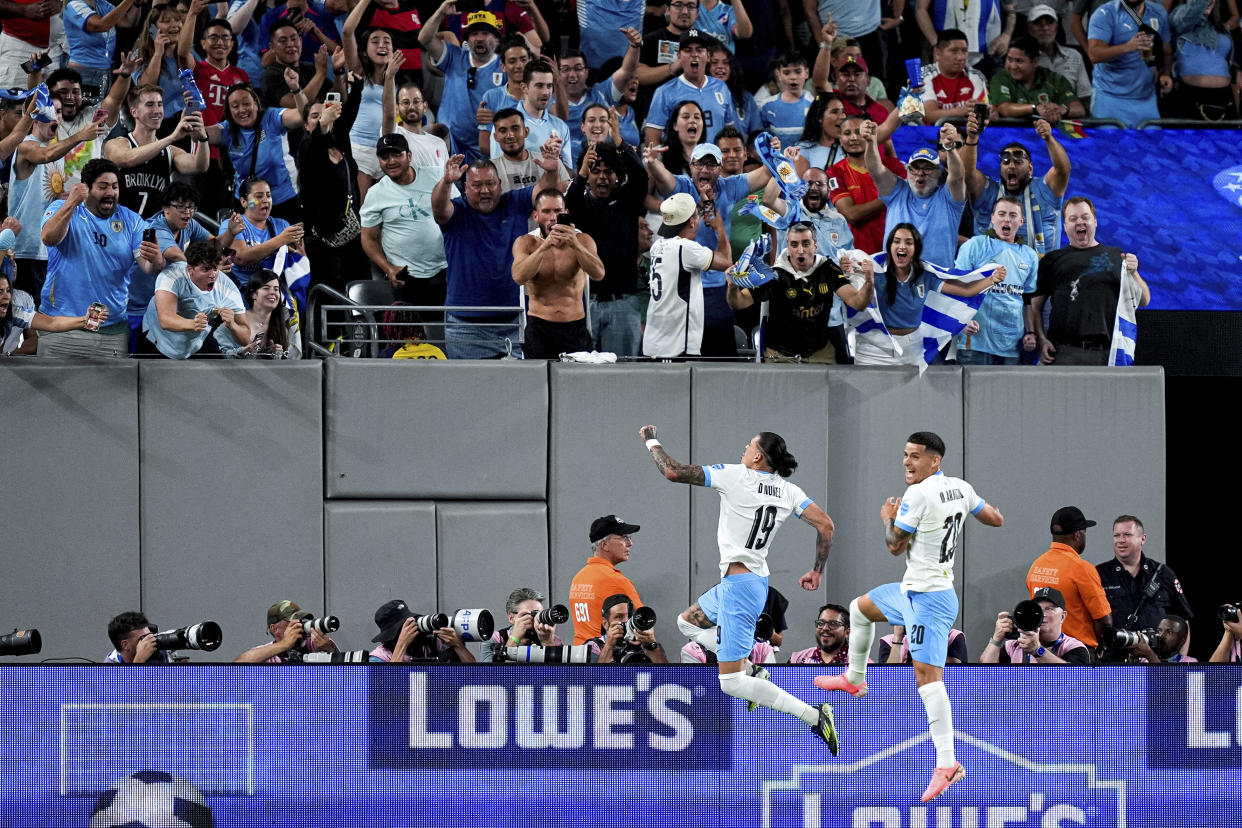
point(399, 233)
point(553, 262)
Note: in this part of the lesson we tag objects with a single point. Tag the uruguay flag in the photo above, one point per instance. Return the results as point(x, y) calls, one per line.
point(945, 315)
point(1125, 329)
point(867, 322)
point(294, 270)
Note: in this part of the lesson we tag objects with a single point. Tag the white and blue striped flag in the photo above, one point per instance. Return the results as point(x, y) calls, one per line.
point(1125, 328)
point(868, 322)
point(945, 315)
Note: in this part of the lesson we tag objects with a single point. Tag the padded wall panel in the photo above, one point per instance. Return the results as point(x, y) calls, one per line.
point(486, 550)
point(413, 429)
point(375, 551)
point(730, 405)
point(598, 466)
point(70, 506)
point(232, 493)
point(1038, 440)
point(873, 411)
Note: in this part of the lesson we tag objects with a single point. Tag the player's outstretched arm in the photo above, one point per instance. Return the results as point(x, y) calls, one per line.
point(824, 526)
point(670, 468)
point(989, 515)
point(898, 539)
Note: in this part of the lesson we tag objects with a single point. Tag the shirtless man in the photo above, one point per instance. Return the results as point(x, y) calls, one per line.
point(551, 262)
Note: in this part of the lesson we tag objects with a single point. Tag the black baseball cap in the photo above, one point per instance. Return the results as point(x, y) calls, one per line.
point(1069, 519)
point(1049, 594)
point(700, 37)
point(391, 616)
point(392, 142)
point(609, 525)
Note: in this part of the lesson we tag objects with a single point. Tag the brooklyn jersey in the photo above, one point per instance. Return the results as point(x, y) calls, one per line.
point(934, 510)
point(143, 185)
point(753, 505)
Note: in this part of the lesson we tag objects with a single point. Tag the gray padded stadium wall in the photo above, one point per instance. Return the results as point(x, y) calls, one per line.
point(597, 466)
point(69, 513)
point(1087, 437)
point(453, 484)
point(232, 493)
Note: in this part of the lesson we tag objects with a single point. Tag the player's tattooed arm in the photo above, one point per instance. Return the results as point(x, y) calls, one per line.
point(898, 539)
point(670, 468)
point(697, 617)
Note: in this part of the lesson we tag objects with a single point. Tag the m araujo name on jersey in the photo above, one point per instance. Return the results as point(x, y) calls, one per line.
point(570, 719)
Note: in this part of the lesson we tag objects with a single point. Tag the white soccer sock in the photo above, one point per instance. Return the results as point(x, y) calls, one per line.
point(939, 722)
point(706, 638)
point(862, 632)
point(741, 686)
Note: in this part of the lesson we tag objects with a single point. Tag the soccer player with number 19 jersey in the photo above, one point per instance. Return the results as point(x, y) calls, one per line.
point(926, 524)
point(755, 498)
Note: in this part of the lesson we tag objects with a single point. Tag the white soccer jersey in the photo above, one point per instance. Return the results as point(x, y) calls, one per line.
point(753, 505)
point(675, 315)
point(934, 510)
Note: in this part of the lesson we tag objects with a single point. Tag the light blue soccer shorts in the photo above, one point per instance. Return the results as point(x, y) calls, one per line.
point(734, 605)
point(928, 618)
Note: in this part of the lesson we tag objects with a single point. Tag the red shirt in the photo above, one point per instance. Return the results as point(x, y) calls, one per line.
point(844, 180)
point(213, 83)
point(402, 22)
point(34, 32)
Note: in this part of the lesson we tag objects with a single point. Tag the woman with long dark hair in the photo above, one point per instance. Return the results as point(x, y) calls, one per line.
point(901, 290)
point(268, 318)
point(684, 131)
point(366, 67)
point(256, 141)
point(821, 134)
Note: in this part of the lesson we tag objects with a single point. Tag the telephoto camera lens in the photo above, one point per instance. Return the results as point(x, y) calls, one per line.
point(1228, 612)
point(345, 657)
point(325, 625)
point(202, 636)
point(1125, 639)
point(553, 615)
point(1027, 616)
point(473, 624)
point(644, 618)
point(556, 654)
point(20, 643)
point(431, 623)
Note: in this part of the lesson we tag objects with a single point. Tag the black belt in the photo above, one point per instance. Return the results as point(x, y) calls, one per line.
point(610, 297)
point(1086, 344)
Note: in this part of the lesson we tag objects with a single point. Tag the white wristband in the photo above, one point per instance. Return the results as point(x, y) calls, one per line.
point(652, 443)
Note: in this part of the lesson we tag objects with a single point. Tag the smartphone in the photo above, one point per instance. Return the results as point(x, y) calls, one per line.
point(981, 114)
point(148, 235)
point(332, 99)
point(101, 114)
point(37, 64)
point(95, 315)
point(564, 218)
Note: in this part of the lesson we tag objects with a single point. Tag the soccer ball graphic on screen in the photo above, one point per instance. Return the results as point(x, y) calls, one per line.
point(152, 799)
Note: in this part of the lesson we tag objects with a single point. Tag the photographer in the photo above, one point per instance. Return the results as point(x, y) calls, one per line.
point(1044, 645)
point(133, 641)
point(1164, 647)
point(1229, 650)
point(401, 640)
point(289, 640)
point(618, 640)
point(524, 606)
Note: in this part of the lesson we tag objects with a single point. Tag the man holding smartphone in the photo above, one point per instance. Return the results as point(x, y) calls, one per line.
point(553, 262)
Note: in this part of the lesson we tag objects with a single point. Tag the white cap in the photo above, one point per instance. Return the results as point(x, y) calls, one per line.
point(703, 150)
point(676, 210)
point(1042, 10)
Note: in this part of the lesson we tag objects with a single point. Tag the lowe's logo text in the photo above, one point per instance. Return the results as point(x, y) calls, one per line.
point(571, 717)
point(1194, 718)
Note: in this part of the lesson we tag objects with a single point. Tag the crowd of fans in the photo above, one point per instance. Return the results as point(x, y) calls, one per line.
point(1127, 609)
point(483, 156)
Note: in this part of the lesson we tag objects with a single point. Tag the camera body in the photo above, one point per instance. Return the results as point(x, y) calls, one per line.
point(549, 617)
point(1229, 612)
point(643, 619)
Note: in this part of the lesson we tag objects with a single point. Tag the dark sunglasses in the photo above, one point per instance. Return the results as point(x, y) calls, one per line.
point(1015, 155)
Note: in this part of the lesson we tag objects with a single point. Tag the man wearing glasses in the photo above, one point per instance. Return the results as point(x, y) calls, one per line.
point(832, 638)
point(600, 578)
point(1040, 198)
point(175, 230)
point(469, 71)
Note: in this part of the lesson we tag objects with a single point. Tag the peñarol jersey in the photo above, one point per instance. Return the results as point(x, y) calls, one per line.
point(934, 509)
point(753, 505)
